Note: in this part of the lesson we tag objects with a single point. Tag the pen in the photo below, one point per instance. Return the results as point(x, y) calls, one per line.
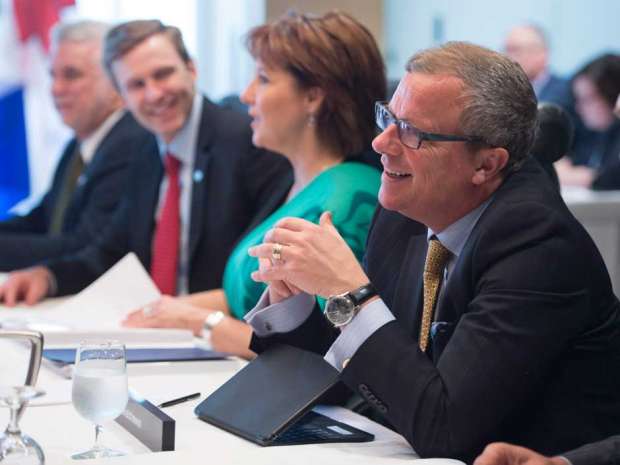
point(170, 403)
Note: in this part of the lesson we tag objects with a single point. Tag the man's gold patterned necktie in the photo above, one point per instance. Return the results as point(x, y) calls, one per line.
point(436, 259)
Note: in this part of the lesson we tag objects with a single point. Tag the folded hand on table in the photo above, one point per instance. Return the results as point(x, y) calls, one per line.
point(230, 335)
point(30, 285)
point(168, 312)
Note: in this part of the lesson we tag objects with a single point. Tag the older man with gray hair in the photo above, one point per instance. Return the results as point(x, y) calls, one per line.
point(483, 311)
point(90, 177)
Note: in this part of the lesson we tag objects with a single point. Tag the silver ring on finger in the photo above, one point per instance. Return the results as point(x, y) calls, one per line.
point(148, 310)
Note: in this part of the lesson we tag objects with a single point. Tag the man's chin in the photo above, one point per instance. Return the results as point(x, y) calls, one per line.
point(388, 202)
point(165, 131)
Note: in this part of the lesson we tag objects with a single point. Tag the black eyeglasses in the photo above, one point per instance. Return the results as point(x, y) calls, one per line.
point(408, 134)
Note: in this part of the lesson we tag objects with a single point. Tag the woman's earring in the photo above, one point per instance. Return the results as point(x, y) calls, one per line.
point(311, 119)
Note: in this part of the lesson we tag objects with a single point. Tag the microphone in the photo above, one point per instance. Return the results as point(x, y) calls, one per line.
point(554, 136)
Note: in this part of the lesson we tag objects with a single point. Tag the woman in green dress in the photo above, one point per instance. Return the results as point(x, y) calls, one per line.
point(312, 100)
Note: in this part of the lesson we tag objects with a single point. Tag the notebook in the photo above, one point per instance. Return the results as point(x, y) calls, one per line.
point(268, 402)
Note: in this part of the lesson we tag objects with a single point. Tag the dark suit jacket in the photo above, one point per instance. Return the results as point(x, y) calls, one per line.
point(24, 240)
point(527, 348)
point(605, 452)
point(557, 90)
point(237, 183)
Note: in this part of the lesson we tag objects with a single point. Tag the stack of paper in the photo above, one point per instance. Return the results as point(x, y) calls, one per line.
point(96, 313)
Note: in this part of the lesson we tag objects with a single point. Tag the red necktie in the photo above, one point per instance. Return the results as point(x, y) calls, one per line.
point(165, 253)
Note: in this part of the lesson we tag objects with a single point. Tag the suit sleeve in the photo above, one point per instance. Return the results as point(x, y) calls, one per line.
point(515, 325)
point(74, 272)
point(34, 222)
point(19, 250)
point(37, 220)
point(314, 335)
point(602, 452)
point(90, 211)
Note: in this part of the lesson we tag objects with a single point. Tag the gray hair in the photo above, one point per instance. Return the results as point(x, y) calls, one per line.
point(79, 31)
point(499, 102)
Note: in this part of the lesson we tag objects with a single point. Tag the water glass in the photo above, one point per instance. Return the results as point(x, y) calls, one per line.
point(17, 448)
point(99, 392)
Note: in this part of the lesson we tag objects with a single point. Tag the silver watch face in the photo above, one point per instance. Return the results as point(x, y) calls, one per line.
point(339, 310)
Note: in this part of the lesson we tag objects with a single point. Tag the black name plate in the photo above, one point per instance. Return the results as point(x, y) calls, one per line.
point(149, 424)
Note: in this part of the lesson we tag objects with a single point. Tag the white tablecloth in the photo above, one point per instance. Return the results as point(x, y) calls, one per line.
point(61, 431)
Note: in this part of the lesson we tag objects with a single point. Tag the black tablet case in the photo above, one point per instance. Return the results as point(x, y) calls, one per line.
point(271, 393)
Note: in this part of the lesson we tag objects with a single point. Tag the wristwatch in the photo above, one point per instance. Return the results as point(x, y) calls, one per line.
point(211, 321)
point(340, 309)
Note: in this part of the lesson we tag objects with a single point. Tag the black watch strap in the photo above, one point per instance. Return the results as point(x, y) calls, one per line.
point(362, 294)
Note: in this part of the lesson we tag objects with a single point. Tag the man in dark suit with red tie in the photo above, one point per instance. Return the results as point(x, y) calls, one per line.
point(483, 311)
point(91, 174)
point(194, 189)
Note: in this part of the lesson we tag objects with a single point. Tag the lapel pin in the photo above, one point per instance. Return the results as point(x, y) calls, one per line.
point(198, 176)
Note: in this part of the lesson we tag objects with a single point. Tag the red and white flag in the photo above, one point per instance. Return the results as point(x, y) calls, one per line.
point(31, 132)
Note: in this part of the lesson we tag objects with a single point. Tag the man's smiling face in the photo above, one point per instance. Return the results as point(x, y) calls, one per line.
point(424, 184)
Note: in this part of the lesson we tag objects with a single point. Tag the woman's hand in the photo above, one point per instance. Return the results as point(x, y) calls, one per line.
point(168, 312)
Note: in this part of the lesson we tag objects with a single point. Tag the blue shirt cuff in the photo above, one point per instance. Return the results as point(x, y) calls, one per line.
point(267, 319)
point(372, 317)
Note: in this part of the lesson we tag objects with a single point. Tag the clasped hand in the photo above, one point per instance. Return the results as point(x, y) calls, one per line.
point(312, 258)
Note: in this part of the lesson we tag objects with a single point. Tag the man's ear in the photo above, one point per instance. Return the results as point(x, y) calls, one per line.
point(191, 67)
point(489, 164)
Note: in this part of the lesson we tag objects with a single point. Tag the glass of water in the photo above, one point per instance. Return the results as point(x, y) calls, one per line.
point(99, 391)
point(17, 448)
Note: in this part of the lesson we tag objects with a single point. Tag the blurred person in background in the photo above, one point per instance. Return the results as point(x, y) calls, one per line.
point(317, 79)
point(527, 45)
point(91, 175)
point(195, 187)
point(596, 87)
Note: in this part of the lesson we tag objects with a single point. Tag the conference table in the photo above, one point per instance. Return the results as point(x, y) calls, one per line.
point(599, 213)
point(53, 422)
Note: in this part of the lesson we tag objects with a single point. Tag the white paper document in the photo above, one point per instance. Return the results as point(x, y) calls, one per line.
point(97, 311)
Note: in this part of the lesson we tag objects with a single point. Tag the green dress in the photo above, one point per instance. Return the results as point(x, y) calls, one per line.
point(348, 190)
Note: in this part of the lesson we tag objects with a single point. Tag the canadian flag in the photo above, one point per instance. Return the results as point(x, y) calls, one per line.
point(31, 132)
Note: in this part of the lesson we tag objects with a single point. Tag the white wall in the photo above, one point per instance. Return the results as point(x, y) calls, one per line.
point(578, 30)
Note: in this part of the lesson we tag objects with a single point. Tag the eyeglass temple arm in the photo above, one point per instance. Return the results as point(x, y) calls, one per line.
point(448, 138)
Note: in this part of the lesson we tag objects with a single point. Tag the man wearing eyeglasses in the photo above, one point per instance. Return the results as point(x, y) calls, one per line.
point(483, 311)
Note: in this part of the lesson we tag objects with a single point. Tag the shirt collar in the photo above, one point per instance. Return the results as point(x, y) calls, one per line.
point(183, 145)
point(455, 235)
point(90, 144)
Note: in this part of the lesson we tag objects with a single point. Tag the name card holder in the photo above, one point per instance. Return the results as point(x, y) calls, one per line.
point(149, 424)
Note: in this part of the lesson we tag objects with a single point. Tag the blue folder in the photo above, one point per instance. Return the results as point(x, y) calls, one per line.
point(182, 354)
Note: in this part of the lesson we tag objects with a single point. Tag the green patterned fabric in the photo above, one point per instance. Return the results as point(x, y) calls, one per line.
point(348, 190)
